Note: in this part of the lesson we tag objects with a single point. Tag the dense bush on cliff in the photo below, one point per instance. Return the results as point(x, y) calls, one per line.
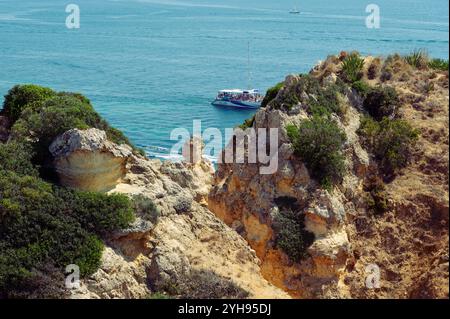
point(291, 236)
point(322, 100)
point(362, 88)
point(271, 94)
point(17, 157)
point(318, 99)
point(391, 141)
point(352, 67)
point(377, 198)
point(21, 97)
point(381, 102)
point(44, 122)
point(319, 142)
point(44, 226)
point(40, 114)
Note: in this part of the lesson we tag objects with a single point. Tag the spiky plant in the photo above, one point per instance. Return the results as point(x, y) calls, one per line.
point(352, 67)
point(418, 58)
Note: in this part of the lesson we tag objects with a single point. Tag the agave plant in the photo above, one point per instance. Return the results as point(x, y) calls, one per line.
point(352, 67)
point(417, 58)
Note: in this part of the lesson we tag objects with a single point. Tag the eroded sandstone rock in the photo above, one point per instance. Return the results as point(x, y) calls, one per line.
point(247, 201)
point(165, 255)
point(86, 160)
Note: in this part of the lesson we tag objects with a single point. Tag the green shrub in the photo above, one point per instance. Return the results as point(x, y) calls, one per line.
point(271, 94)
point(206, 284)
point(248, 123)
point(417, 58)
point(352, 67)
point(17, 157)
point(327, 101)
point(96, 212)
point(362, 88)
point(391, 141)
point(322, 101)
point(55, 116)
point(381, 102)
point(158, 295)
point(45, 282)
point(145, 208)
point(35, 230)
point(20, 96)
point(438, 64)
point(291, 236)
point(377, 198)
point(44, 121)
point(319, 143)
point(41, 225)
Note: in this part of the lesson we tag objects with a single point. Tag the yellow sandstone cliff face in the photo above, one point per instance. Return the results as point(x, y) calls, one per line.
point(86, 160)
point(409, 243)
point(151, 258)
point(226, 225)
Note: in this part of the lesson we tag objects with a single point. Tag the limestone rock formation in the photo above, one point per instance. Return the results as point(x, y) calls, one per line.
point(224, 225)
point(246, 200)
point(413, 235)
point(86, 160)
point(186, 239)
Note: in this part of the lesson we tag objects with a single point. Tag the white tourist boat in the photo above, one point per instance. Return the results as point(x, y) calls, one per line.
point(249, 99)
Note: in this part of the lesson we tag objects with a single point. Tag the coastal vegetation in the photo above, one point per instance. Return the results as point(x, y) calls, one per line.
point(322, 100)
point(289, 226)
point(391, 142)
point(420, 59)
point(438, 64)
point(376, 196)
point(42, 225)
point(271, 94)
point(248, 123)
point(352, 67)
point(417, 58)
point(380, 101)
point(319, 143)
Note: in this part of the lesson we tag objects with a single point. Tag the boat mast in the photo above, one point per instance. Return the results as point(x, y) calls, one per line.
point(248, 67)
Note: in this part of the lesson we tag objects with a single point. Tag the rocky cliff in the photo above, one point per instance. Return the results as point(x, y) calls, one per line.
point(408, 242)
point(358, 206)
point(186, 252)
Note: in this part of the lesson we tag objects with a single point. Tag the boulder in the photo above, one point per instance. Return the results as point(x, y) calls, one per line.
point(87, 160)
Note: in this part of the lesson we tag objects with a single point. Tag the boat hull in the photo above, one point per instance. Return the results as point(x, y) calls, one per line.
point(237, 104)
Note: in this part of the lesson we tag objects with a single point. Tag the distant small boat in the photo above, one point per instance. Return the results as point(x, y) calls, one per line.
point(294, 11)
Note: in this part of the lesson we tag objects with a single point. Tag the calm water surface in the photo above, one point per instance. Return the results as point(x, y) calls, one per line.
point(151, 66)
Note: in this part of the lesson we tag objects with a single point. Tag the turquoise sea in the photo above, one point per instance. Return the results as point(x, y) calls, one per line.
point(150, 66)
